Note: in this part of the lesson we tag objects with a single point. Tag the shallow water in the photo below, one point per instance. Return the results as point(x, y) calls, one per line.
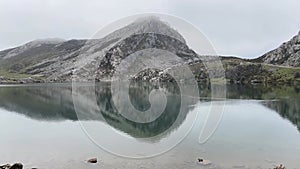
point(41, 128)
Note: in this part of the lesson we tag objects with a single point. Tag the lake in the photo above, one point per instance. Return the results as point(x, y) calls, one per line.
point(55, 126)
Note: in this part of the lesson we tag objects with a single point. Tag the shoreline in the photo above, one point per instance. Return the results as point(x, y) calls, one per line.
point(295, 82)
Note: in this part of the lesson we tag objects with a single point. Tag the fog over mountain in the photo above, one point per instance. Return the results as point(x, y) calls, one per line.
point(234, 27)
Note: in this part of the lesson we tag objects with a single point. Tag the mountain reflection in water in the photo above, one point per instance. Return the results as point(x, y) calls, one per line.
point(54, 102)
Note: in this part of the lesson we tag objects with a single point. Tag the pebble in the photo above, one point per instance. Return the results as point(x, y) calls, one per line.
point(204, 162)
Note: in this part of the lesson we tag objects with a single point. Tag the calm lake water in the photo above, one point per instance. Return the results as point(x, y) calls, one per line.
point(260, 128)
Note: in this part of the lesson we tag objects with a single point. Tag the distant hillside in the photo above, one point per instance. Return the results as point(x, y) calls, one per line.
point(37, 57)
point(287, 54)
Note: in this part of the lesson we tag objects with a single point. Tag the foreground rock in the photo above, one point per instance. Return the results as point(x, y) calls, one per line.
point(15, 166)
point(280, 167)
point(6, 166)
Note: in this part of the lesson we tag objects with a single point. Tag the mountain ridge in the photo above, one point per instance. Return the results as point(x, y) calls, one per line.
point(55, 60)
point(287, 54)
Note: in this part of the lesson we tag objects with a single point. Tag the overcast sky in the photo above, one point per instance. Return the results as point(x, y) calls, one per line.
point(235, 27)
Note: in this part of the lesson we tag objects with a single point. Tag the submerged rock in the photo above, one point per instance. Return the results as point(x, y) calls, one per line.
point(204, 162)
point(17, 166)
point(280, 167)
point(92, 160)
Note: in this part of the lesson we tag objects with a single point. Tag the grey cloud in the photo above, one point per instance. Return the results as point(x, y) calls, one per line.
point(242, 28)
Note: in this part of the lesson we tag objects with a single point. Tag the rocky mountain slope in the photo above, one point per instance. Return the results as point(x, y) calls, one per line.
point(287, 54)
point(37, 58)
point(57, 60)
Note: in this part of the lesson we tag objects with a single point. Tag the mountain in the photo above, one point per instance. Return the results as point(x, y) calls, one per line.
point(55, 61)
point(58, 60)
point(34, 57)
point(287, 54)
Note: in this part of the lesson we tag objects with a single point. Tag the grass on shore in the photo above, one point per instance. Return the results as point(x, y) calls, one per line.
point(283, 74)
point(12, 75)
